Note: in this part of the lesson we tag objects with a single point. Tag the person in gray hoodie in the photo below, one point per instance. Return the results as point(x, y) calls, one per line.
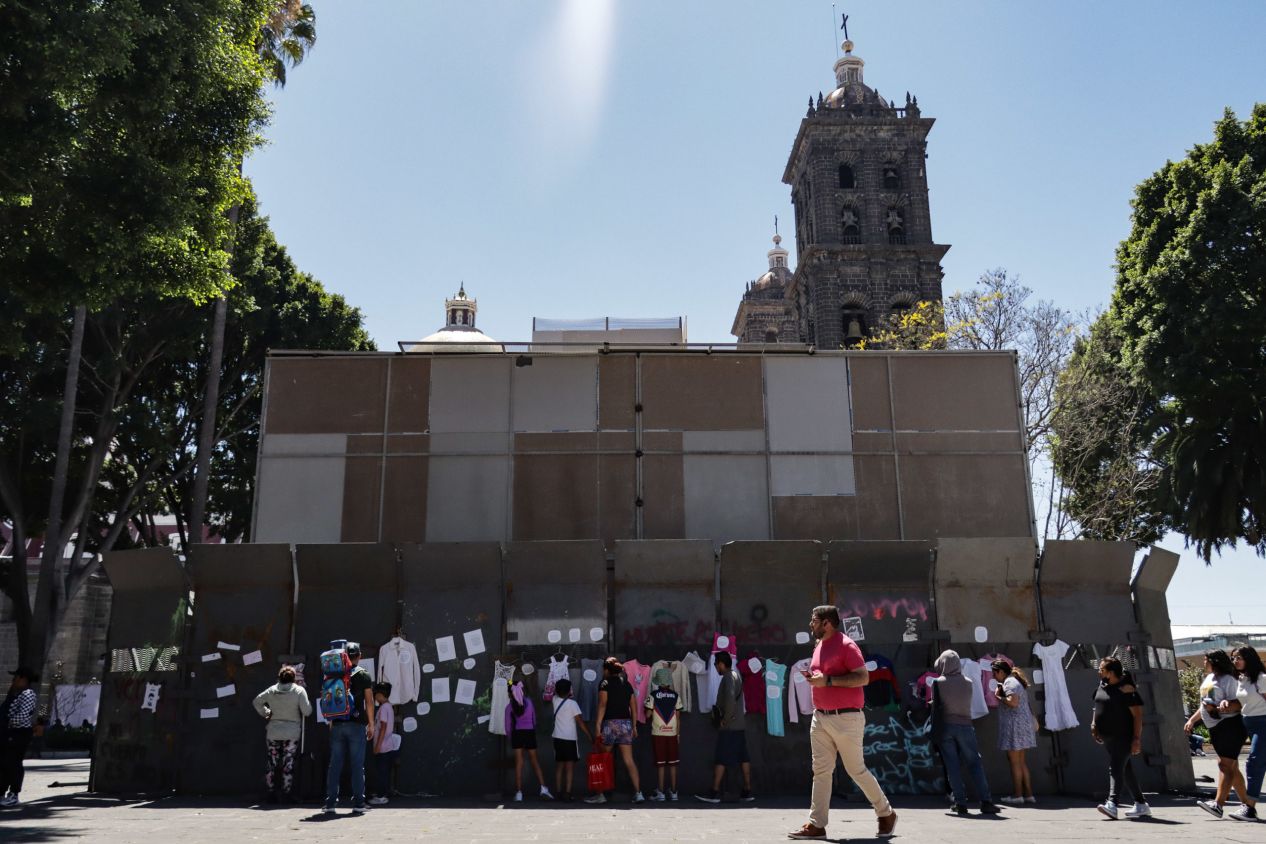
point(284, 705)
point(954, 735)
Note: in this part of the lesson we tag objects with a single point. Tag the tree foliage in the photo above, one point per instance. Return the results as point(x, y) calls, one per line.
point(1189, 315)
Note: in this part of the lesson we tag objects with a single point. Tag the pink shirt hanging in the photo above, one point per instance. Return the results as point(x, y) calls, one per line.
point(639, 677)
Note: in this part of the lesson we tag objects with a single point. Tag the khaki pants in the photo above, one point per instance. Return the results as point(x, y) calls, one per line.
point(842, 734)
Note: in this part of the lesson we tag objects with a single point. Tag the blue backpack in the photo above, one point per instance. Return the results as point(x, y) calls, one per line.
point(336, 686)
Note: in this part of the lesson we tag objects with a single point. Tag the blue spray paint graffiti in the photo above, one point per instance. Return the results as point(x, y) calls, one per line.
point(901, 757)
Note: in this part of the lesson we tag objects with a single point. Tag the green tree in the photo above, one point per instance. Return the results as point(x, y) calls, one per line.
point(285, 38)
point(1190, 310)
point(122, 124)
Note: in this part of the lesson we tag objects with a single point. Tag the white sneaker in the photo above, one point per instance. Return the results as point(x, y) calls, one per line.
point(658, 796)
point(518, 797)
point(1140, 810)
point(1012, 801)
point(638, 798)
point(596, 798)
point(545, 794)
point(377, 801)
point(1030, 799)
point(1109, 809)
point(672, 795)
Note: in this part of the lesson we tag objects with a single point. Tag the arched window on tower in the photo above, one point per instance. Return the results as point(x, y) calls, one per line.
point(896, 223)
point(846, 177)
point(850, 224)
point(892, 177)
point(771, 336)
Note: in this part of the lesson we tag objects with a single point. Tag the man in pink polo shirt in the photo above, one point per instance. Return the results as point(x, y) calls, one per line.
point(838, 674)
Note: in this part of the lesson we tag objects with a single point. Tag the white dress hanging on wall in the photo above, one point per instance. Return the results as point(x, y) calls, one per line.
point(1059, 709)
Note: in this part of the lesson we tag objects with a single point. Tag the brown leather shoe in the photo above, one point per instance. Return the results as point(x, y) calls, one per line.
point(808, 831)
point(887, 824)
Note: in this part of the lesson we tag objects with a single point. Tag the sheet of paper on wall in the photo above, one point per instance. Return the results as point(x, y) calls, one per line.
point(474, 642)
point(853, 629)
point(252, 658)
point(483, 719)
point(225, 691)
point(428, 668)
point(213, 712)
point(469, 663)
point(445, 648)
point(465, 692)
point(367, 663)
point(439, 690)
point(150, 701)
point(409, 724)
point(802, 638)
point(225, 646)
point(573, 635)
point(320, 716)
point(211, 657)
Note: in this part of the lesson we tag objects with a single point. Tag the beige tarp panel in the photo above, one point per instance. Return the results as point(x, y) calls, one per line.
point(986, 583)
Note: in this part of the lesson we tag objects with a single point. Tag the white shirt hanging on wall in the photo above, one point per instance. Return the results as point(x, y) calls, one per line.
point(979, 706)
point(398, 665)
point(1059, 709)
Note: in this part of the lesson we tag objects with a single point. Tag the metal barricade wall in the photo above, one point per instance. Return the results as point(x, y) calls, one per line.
point(768, 590)
point(665, 606)
point(1167, 750)
point(241, 625)
point(450, 590)
point(139, 721)
point(883, 591)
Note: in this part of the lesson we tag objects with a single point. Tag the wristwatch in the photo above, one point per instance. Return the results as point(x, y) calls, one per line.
point(828, 679)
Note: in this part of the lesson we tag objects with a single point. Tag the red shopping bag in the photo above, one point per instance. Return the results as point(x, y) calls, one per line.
point(601, 771)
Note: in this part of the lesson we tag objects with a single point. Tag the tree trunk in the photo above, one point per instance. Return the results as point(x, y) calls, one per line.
point(48, 592)
point(206, 435)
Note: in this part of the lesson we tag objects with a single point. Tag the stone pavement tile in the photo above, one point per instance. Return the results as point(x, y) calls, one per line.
point(56, 814)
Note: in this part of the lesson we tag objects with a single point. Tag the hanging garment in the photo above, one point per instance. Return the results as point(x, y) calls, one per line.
point(681, 679)
point(639, 677)
point(502, 674)
point(398, 665)
point(557, 671)
point(752, 670)
point(1059, 709)
point(775, 682)
point(709, 685)
point(590, 677)
point(799, 692)
point(922, 687)
point(725, 642)
point(694, 664)
point(987, 682)
point(882, 690)
point(971, 670)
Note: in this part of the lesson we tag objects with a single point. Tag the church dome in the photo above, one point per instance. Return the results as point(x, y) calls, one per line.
point(459, 333)
point(851, 92)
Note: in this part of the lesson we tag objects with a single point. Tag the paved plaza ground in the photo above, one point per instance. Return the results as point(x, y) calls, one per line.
point(59, 809)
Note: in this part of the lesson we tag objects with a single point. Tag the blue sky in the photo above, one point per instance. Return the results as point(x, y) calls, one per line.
point(582, 158)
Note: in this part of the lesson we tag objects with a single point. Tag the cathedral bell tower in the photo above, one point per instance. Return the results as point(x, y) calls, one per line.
point(858, 180)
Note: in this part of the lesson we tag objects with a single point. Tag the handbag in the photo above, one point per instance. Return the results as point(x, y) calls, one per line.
point(601, 770)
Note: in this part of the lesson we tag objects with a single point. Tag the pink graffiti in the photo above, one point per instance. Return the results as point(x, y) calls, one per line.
point(879, 609)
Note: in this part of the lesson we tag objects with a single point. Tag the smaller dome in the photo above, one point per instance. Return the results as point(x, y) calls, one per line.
point(456, 338)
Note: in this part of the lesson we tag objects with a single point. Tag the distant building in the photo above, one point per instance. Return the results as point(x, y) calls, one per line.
point(459, 333)
point(1192, 640)
point(594, 333)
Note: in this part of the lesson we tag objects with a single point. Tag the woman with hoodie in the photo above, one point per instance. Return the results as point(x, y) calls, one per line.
point(954, 735)
point(284, 705)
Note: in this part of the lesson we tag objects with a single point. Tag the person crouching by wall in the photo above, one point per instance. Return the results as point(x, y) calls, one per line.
point(284, 705)
point(954, 735)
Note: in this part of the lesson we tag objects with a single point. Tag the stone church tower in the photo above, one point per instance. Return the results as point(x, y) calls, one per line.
point(864, 244)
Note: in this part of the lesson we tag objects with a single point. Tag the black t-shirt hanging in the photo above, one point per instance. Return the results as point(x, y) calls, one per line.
point(1112, 710)
point(619, 695)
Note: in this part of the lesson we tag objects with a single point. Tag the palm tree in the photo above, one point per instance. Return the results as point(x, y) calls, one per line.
point(284, 41)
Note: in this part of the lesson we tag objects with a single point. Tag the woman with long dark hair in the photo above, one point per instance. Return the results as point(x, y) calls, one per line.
point(1118, 726)
point(1226, 729)
point(1017, 731)
point(616, 726)
point(1250, 702)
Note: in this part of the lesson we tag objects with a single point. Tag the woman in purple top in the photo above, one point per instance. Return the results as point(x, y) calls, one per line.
point(521, 728)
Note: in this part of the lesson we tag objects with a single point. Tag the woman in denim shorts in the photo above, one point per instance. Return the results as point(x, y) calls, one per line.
point(615, 722)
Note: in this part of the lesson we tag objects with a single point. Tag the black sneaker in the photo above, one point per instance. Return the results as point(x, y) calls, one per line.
point(712, 796)
point(1211, 807)
point(959, 809)
point(990, 809)
point(746, 796)
point(1246, 813)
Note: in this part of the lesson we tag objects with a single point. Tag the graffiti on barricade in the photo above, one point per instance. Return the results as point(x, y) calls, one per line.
point(901, 757)
point(880, 608)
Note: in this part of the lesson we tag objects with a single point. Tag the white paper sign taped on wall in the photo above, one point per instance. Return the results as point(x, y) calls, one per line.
point(753, 665)
point(483, 719)
point(853, 629)
point(367, 664)
point(723, 642)
point(225, 646)
point(1037, 676)
point(528, 668)
point(427, 668)
point(465, 692)
point(773, 692)
point(802, 638)
point(872, 665)
point(981, 633)
point(445, 648)
point(590, 675)
point(573, 635)
point(225, 691)
point(213, 712)
point(439, 690)
point(252, 658)
point(409, 724)
point(474, 641)
point(595, 634)
point(150, 701)
point(468, 663)
point(771, 676)
point(554, 636)
point(211, 657)
point(424, 708)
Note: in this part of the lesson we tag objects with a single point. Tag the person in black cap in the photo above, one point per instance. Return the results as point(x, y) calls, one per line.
point(350, 736)
point(17, 720)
